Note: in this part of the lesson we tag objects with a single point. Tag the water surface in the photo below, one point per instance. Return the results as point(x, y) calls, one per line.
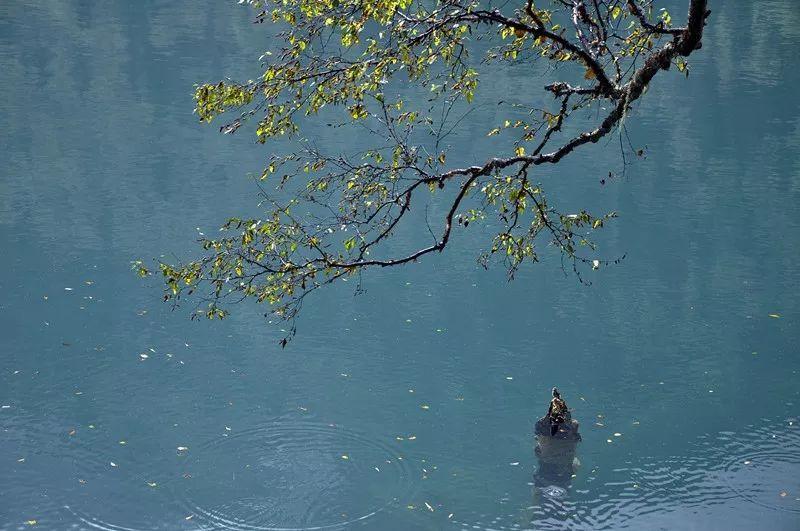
point(674, 349)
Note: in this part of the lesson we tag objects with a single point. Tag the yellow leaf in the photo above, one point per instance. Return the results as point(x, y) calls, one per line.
point(616, 12)
point(775, 315)
point(589, 74)
point(520, 151)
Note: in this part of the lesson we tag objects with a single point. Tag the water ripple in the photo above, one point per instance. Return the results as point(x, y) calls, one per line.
point(294, 476)
point(759, 465)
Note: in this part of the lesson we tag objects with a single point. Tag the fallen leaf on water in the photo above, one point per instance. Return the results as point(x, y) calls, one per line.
point(123, 443)
point(409, 507)
point(515, 463)
point(775, 315)
point(783, 494)
point(400, 438)
point(189, 517)
point(345, 457)
point(376, 469)
point(747, 462)
point(600, 424)
point(72, 432)
point(143, 356)
point(425, 406)
point(509, 377)
point(617, 434)
point(21, 460)
point(412, 437)
point(113, 463)
point(608, 440)
point(31, 522)
point(152, 484)
point(182, 448)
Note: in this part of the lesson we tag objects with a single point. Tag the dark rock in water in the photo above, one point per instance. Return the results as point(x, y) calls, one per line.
point(557, 439)
point(565, 431)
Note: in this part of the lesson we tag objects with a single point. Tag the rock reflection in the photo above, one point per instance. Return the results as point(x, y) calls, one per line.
point(557, 440)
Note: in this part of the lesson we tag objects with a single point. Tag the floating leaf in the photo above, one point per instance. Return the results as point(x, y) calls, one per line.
point(775, 315)
point(616, 12)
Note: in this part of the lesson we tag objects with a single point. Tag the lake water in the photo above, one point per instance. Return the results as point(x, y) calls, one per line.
point(674, 349)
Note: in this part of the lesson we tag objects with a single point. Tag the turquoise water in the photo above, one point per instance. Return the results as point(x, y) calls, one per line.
point(673, 349)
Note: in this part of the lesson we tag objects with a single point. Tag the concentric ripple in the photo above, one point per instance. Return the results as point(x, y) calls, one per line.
point(292, 476)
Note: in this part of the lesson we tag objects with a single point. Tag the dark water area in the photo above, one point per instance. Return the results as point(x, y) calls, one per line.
point(410, 406)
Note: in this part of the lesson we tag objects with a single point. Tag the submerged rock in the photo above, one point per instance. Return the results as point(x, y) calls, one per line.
point(557, 439)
